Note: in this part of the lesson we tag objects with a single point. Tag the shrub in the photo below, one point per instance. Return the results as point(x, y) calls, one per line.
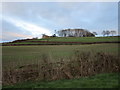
point(79, 65)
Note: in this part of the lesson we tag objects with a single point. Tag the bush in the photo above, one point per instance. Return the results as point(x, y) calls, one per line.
point(79, 65)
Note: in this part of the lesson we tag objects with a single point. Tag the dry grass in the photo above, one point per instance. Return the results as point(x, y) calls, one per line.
point(79, 65)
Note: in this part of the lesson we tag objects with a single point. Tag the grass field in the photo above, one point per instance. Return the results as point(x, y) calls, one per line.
point(16, 57)
point(80, 39)
point(65, 40)
point(20, 55)
point(98, 81)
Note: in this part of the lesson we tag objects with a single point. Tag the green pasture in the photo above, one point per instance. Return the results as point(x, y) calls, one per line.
point(13, 56)
point(68, 39)
point(79, 39)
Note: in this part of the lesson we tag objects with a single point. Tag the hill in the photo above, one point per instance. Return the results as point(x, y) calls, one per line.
point(31, 66)
point(64, 41)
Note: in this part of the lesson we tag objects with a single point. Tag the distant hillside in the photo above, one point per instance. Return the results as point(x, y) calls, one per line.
point(64, 41)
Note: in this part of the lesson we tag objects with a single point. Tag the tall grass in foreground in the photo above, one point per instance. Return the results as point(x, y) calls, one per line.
point(79, 65)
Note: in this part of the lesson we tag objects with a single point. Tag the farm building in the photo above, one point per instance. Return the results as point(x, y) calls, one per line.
point(75, 33)
point(46, 36)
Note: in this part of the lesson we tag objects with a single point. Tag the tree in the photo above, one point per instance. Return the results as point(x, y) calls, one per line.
point(107, 32)
point(104, 33)
point(113, 32)
point(94, 33)
point(75, 33)
point(60, 33)
point(54, 35)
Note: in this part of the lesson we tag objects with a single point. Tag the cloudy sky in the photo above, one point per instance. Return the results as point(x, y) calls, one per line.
point(32, 19)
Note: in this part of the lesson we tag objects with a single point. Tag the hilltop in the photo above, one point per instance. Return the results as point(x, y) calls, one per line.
point(64, 41)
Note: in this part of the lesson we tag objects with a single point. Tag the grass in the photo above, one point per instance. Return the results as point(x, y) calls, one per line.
point(79, 39)
point(106, 80)
point(81, 64)
point(62, 40)
point(16, 56)
point(20, 55)
point(74, 61)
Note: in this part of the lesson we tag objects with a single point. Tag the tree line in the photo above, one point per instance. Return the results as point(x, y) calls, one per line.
point(107, 32)
point(75, 33)
point(83, 33)
point(80, 33)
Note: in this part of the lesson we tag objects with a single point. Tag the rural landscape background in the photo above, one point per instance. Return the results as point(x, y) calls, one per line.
point(60, 45)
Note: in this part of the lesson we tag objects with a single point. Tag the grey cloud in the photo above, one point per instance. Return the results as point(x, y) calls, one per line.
point(7, 26)
point(54, 15)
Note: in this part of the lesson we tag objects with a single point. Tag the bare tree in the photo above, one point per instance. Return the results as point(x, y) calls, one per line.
point(107, 32)
point(104, 33)
point(60, 33)
point(94, 33)
point(113, 32)
point(75, 33)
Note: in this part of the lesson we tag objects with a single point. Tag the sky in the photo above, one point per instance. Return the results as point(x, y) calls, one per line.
point(21, 20)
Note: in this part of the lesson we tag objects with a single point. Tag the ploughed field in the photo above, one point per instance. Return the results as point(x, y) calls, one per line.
point(58, 62)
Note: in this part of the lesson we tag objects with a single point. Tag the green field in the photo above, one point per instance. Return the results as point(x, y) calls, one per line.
point(15, 57)
point(20, 55)
point(65, 40)
point(99, 81)
point(79, 39)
